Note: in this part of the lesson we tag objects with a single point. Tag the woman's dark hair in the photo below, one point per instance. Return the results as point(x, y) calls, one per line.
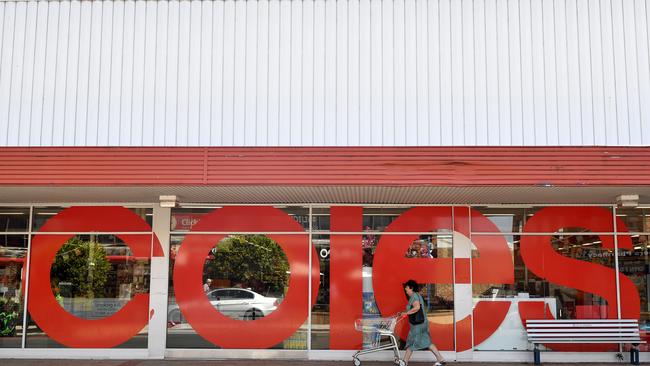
point(412, 285)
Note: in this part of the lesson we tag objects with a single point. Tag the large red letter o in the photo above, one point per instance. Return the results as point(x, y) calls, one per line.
point(208, 321)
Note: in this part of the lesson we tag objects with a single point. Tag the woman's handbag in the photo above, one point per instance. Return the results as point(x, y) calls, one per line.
point(417, 317)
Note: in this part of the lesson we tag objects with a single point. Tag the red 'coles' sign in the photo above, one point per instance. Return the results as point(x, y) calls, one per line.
point(391, 268)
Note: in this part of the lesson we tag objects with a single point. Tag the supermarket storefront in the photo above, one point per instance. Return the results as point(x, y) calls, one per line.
point(277, 260)
point(245, 179)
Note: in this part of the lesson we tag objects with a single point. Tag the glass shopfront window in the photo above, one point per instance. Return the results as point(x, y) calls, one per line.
point(439, 297)
point(320, 218)
point(13, 252)
point(239, 275)
point(435, 251)
point(636, 220)
point(300, 214)
point(504, 220)
point(355, 260)
point(634, 264)
point(43, 214)
point(244, 278)
point(567, 275)
point(183, 219)
point(14, 219)
point(93, 277)
point(589, 302)
point(513, 220)
point(377, 219)
point(90, 273)
point(223, 286)
point(549, 284)
point(320, 312)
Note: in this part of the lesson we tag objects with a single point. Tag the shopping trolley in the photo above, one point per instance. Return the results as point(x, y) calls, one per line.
point(379, 329)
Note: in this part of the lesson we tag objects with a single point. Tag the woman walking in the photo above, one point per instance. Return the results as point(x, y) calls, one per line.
point(418, 338)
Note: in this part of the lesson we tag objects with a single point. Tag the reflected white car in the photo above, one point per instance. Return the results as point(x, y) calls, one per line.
point(235, 303)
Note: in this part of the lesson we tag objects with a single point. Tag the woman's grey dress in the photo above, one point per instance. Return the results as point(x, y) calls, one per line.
point(418, 337)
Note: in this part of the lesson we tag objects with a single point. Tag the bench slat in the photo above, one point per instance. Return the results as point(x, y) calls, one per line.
point(582, 330)
point(528, 325)
point(584, 335)
point(603, 338)
point(565, 340)
point(582, 321)
point(587, 329)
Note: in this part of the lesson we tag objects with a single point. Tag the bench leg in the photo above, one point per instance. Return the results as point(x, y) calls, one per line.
point(634, 355)
point(537, 355)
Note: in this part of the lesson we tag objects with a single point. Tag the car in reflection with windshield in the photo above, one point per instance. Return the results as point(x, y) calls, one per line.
point(235, 303)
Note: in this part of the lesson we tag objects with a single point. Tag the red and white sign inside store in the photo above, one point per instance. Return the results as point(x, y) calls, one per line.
point(492, 265)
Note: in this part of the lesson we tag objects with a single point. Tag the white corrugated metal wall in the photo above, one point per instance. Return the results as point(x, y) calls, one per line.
point(324, 72)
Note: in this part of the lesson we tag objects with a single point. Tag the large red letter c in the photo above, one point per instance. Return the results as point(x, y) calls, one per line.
point(62, 326)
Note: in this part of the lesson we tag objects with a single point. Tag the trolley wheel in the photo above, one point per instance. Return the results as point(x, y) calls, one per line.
point(401, 362)
point(356, 361)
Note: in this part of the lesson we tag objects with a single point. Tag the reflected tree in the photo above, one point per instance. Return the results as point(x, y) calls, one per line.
point(253, 261)
point(84, 265)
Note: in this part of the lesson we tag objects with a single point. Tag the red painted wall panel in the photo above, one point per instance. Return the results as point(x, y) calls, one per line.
point(390, 166)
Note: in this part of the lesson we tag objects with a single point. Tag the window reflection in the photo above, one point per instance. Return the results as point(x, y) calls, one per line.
point(377, 219)
point(111, 276)
point(635, 265)
point(13, 251)
point(439, 298)
point(93, 277)
point(14, 219)
point(320, 313)
point(245, 277)
point(506, 220)
point(636, 220)
point(248, 276)
point(560, 302)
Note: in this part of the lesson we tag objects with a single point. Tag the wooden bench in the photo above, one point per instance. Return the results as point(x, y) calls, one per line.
point(619, 331)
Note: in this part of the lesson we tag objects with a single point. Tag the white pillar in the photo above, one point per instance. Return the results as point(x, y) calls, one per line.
point(462, 291)
point(158, 291)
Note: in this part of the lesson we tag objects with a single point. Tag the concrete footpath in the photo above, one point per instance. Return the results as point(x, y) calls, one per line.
point(6, 362)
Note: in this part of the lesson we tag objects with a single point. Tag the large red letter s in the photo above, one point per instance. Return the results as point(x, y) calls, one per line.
point(541, 259)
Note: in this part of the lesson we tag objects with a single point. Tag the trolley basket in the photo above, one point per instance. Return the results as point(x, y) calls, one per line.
point(380, 331)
